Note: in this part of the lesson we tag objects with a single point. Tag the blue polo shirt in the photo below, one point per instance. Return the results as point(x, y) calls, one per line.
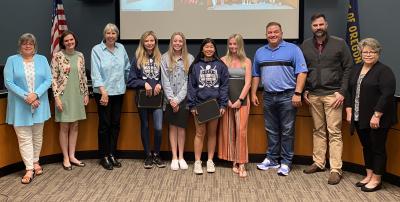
point(278, 67)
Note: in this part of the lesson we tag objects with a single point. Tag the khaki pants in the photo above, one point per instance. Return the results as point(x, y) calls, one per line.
point(30, 143)
point(326, 118)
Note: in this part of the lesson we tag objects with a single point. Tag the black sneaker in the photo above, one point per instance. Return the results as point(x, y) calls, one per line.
point(158, 161)
point(148, 162)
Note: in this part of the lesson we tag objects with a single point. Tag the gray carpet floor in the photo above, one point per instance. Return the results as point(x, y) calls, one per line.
point(134, 183)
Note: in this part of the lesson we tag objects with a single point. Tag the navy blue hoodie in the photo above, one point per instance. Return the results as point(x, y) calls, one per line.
point(208, 80)
point(150, 73)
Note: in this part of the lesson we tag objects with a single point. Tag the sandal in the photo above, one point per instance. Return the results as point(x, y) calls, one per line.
point(235, 168)
point(242, 171)
point(26, 179)
point(38, 170)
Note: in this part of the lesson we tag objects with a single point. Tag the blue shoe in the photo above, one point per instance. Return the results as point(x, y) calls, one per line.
point(267, 164)
point(284, 170)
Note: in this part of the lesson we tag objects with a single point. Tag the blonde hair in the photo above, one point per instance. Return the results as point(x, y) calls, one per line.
point(241, 54)
point(141, 54)
point(171, 56)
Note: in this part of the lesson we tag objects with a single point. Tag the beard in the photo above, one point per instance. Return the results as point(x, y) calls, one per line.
point(320, 33)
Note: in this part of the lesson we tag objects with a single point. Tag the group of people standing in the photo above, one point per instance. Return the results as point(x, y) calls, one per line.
point(320, 71)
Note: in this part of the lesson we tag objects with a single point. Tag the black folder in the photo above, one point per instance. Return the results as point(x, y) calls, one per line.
point(207, 111)
point(235, 89)
point(145, 101)
point(179, 118)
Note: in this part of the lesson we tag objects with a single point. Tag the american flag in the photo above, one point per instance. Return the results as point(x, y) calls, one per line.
point(59, 25)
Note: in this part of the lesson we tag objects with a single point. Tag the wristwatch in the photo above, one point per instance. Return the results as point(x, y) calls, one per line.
point(297, 93)
point(241, 100)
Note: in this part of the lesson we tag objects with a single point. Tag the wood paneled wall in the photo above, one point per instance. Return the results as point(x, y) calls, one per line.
point(129, 138)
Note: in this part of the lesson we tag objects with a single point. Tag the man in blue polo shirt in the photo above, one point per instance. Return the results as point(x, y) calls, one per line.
point(283, 71)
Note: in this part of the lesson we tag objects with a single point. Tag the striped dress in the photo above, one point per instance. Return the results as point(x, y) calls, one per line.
point(232, 132)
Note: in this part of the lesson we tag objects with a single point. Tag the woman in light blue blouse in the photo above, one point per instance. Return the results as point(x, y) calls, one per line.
point(27, 77)
point(174, 73)
point(109, 69)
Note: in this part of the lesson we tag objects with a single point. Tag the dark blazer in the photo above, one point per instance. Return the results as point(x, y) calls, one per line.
point(376, 94)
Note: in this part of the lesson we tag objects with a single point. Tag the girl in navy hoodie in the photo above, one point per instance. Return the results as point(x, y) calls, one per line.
point(208, 79)
point(145, 74)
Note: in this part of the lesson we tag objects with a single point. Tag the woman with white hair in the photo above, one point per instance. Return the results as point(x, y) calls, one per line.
point(27, 77)
point(109, 70)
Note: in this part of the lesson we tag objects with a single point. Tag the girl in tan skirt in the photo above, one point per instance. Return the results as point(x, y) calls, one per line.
point(232, 138)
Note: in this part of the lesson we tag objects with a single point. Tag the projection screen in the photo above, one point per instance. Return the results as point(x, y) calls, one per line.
point(199, 19)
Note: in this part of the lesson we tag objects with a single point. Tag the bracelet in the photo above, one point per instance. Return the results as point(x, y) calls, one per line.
point(297, 93)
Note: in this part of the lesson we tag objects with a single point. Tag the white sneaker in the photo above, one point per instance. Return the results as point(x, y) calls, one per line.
point(182, 164)
point(198, 170)
point(267, 164)
point(210, 166)
point(174, 165)
point(284, 170)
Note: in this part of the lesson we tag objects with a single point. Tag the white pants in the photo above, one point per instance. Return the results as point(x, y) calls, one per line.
point(30, 143)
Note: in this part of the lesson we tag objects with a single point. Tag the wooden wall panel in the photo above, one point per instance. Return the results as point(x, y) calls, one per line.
point(303, 137)
point(129, 138)
point(256, 135)
point(3, 110)
point(393, 151)
point(8, 146)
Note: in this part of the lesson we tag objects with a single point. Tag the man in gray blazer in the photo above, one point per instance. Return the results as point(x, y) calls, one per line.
point(329, 61)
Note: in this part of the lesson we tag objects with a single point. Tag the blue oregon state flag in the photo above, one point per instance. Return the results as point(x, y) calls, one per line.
point(353, 30)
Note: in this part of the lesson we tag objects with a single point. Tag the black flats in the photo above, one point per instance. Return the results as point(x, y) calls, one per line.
point(376, 188)
point(360, 184)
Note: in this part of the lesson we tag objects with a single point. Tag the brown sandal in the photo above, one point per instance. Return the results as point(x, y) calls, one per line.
point(242, 171)
point(235, 168)
point(26, 179)
point(38, 170)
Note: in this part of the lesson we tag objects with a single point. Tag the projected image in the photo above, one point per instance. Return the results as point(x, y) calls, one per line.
point(199, 19)
point(147, 5)
point(191, 2)
point(251, 4)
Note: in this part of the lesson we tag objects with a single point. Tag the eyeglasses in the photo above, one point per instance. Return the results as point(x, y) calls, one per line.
point(27, 44)
point(368, 52)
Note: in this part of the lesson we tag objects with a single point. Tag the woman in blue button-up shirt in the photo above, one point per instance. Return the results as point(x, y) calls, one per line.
point(27, 77)
point(109, 69)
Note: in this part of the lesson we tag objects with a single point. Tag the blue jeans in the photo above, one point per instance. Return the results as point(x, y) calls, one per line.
point(144, 128)
point(279, 120)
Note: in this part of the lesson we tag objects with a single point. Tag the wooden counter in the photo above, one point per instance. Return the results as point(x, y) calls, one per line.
point(129, 139)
